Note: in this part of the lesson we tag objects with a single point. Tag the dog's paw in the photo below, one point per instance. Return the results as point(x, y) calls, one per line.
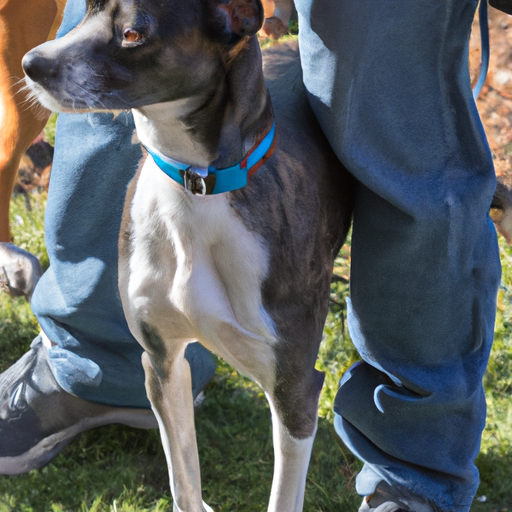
point(19, 270)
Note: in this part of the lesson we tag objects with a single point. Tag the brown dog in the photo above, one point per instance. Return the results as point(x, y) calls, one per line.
point(25, 24)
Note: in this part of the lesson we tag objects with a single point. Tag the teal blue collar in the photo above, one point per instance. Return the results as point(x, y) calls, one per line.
point(217, 181)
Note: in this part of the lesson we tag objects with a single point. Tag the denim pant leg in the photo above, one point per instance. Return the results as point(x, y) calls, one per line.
point(389, 83)
point(77, 301)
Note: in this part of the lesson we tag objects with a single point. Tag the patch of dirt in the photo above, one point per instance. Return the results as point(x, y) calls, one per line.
point(495, 100)
point(35, 167)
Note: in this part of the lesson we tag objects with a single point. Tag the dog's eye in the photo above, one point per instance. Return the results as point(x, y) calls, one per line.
point(131, 35)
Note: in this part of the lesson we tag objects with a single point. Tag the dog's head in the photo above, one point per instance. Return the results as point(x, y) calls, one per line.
point(130, 53)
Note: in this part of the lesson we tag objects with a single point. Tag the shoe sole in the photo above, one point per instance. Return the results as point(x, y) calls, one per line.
point(49, 447)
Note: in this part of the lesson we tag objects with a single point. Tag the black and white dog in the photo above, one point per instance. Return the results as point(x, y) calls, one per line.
point(221, 242)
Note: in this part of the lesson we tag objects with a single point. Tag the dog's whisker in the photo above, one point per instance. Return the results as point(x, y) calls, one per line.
point(31, 103)
point(41, 113)
point(89, 98)
point(17, 82)
point(31, 99)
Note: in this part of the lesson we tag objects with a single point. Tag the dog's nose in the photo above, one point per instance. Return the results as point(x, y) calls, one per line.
point(39, 68)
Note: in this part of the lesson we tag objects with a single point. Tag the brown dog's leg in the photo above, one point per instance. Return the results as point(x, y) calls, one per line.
point(277, 18)
point(24, 25)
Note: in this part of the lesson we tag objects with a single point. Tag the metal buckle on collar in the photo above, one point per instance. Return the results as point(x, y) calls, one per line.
point(194, 182)
point(197, 184)
point(212, 180)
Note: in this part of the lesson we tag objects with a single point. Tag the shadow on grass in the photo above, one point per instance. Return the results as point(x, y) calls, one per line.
point(496, 484)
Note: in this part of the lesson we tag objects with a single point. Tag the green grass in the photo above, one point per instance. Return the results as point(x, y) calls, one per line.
point(49, 129)
point(27, 224)
point(18, 325)
point(118, 469)
point(495, 459)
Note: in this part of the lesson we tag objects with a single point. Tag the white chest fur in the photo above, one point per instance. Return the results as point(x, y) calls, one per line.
point(196, 271)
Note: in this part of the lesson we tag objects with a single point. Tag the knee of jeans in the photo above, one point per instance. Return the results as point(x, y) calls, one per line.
point(363, 385)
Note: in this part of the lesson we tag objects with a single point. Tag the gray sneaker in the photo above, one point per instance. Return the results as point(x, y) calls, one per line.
point(38, 418)
point(388, 499)
point(388, 506)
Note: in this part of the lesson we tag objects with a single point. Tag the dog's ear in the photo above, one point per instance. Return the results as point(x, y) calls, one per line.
point(238, 18)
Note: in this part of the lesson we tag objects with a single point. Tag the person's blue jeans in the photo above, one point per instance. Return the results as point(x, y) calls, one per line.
point(389, 83)
point(77, 301)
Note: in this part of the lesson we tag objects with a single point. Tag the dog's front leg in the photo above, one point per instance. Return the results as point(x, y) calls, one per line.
point(169, 388)
point(291, 461)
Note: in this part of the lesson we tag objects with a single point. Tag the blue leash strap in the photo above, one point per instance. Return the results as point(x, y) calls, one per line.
point(484, 36)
